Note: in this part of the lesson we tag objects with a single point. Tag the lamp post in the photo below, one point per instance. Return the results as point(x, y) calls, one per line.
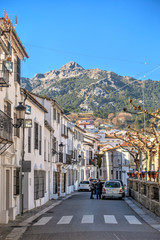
point(20, 110)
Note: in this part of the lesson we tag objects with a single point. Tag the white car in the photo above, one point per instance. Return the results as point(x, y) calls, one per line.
point(112, 189)
point(84, 186)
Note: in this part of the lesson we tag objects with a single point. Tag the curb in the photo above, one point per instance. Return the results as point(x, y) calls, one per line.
point(149, 217)
point(18, 231)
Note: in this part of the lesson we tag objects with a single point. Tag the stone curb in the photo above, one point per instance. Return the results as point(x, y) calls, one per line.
point(17, 232)
point(149, 217)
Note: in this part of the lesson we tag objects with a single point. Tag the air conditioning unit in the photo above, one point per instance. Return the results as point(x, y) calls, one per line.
point(9, 66)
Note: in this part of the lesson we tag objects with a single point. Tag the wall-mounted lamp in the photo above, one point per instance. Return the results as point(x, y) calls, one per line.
point(20, 110)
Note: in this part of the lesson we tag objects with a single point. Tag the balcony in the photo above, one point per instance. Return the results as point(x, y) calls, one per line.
point(92, 162)
point(4, 75)
point(5, 132)
point(64, 131)
point(61, 157)
point(68, 159)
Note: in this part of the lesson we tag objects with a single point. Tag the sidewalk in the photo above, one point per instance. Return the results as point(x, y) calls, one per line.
point(15, 229)
point(148, 216)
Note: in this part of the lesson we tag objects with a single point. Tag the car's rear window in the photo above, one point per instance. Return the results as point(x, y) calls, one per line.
point(112, 185)
point(84, 182)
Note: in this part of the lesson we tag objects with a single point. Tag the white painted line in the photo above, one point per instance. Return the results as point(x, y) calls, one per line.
point(65, 220)
point(132, 220)
point(42, 221)
point(110, 219)
point(87, 219)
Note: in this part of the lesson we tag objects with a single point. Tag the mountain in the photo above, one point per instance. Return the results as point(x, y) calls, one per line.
point(77, 89)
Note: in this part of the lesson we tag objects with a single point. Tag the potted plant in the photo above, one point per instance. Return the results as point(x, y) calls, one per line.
point(144, 174)
point(154, 174)
point(136, 174)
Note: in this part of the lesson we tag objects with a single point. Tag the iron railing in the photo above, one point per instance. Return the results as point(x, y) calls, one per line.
point(6, 127)
point(61, 157)
point(4, 75)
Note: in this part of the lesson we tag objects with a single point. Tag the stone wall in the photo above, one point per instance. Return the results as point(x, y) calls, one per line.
point(146, 193)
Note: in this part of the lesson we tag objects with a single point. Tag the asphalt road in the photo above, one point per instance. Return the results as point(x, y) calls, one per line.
point(82, 218)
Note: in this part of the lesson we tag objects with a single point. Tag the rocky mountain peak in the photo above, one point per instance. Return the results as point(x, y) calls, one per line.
point(71, 66)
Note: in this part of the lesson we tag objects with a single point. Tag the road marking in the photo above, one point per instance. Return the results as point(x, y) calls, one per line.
point(65, 220)
point(110, 219)
point(87, 219)
point(42, 221)
point(132, 219)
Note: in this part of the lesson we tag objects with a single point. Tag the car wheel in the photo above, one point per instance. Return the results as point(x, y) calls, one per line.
point(103, 197)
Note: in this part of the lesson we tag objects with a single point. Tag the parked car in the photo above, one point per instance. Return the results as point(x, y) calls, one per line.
point(84, 186)
point(112, 189)
point(123, 186)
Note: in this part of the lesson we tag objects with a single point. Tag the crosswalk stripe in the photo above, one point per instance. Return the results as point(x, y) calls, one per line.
point(42, 221)
point(65, 220)
point(110, 219)
point(87, 219)
point(132, 219)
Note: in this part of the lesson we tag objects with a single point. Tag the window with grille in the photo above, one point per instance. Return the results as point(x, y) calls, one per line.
point(35, 135)
point(29, 140)
point(39, 184)
point(16, 182)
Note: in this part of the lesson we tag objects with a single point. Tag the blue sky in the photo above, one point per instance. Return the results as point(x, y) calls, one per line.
point(122, 36)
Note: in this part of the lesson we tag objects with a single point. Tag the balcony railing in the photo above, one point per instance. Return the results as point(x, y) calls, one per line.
point(5, 127)
point(5, 132)
point(92, 162)
point(4, 75)
point(68, 159)
point(61, 157)
point(64, 131)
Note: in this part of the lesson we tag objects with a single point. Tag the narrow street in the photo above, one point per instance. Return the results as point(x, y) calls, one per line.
point(79, 218)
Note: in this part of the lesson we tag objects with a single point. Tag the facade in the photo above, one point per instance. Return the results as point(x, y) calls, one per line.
point(116, 162)
point(11, 54)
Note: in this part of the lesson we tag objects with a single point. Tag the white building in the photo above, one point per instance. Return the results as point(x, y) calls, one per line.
point(11, 54)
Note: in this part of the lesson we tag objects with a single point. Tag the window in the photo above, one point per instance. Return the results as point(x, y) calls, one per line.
point(54, 114)
point(75, 134)
point(35, 136)
point(7, 108)
point(16, 182)
point(17, 67)
point(58, 117)
point(39, 184)
point(40, 140)
point(29, 140)
point(45, 158)
point(48, 152)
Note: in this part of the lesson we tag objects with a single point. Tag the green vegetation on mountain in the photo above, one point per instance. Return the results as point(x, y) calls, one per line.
point(94, 90)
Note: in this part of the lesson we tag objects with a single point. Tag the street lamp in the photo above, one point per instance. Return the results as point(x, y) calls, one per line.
point(20, 110)
point(61, 147)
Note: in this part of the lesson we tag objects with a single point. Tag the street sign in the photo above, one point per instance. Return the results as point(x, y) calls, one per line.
point(28, 123)
point(26, 166)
